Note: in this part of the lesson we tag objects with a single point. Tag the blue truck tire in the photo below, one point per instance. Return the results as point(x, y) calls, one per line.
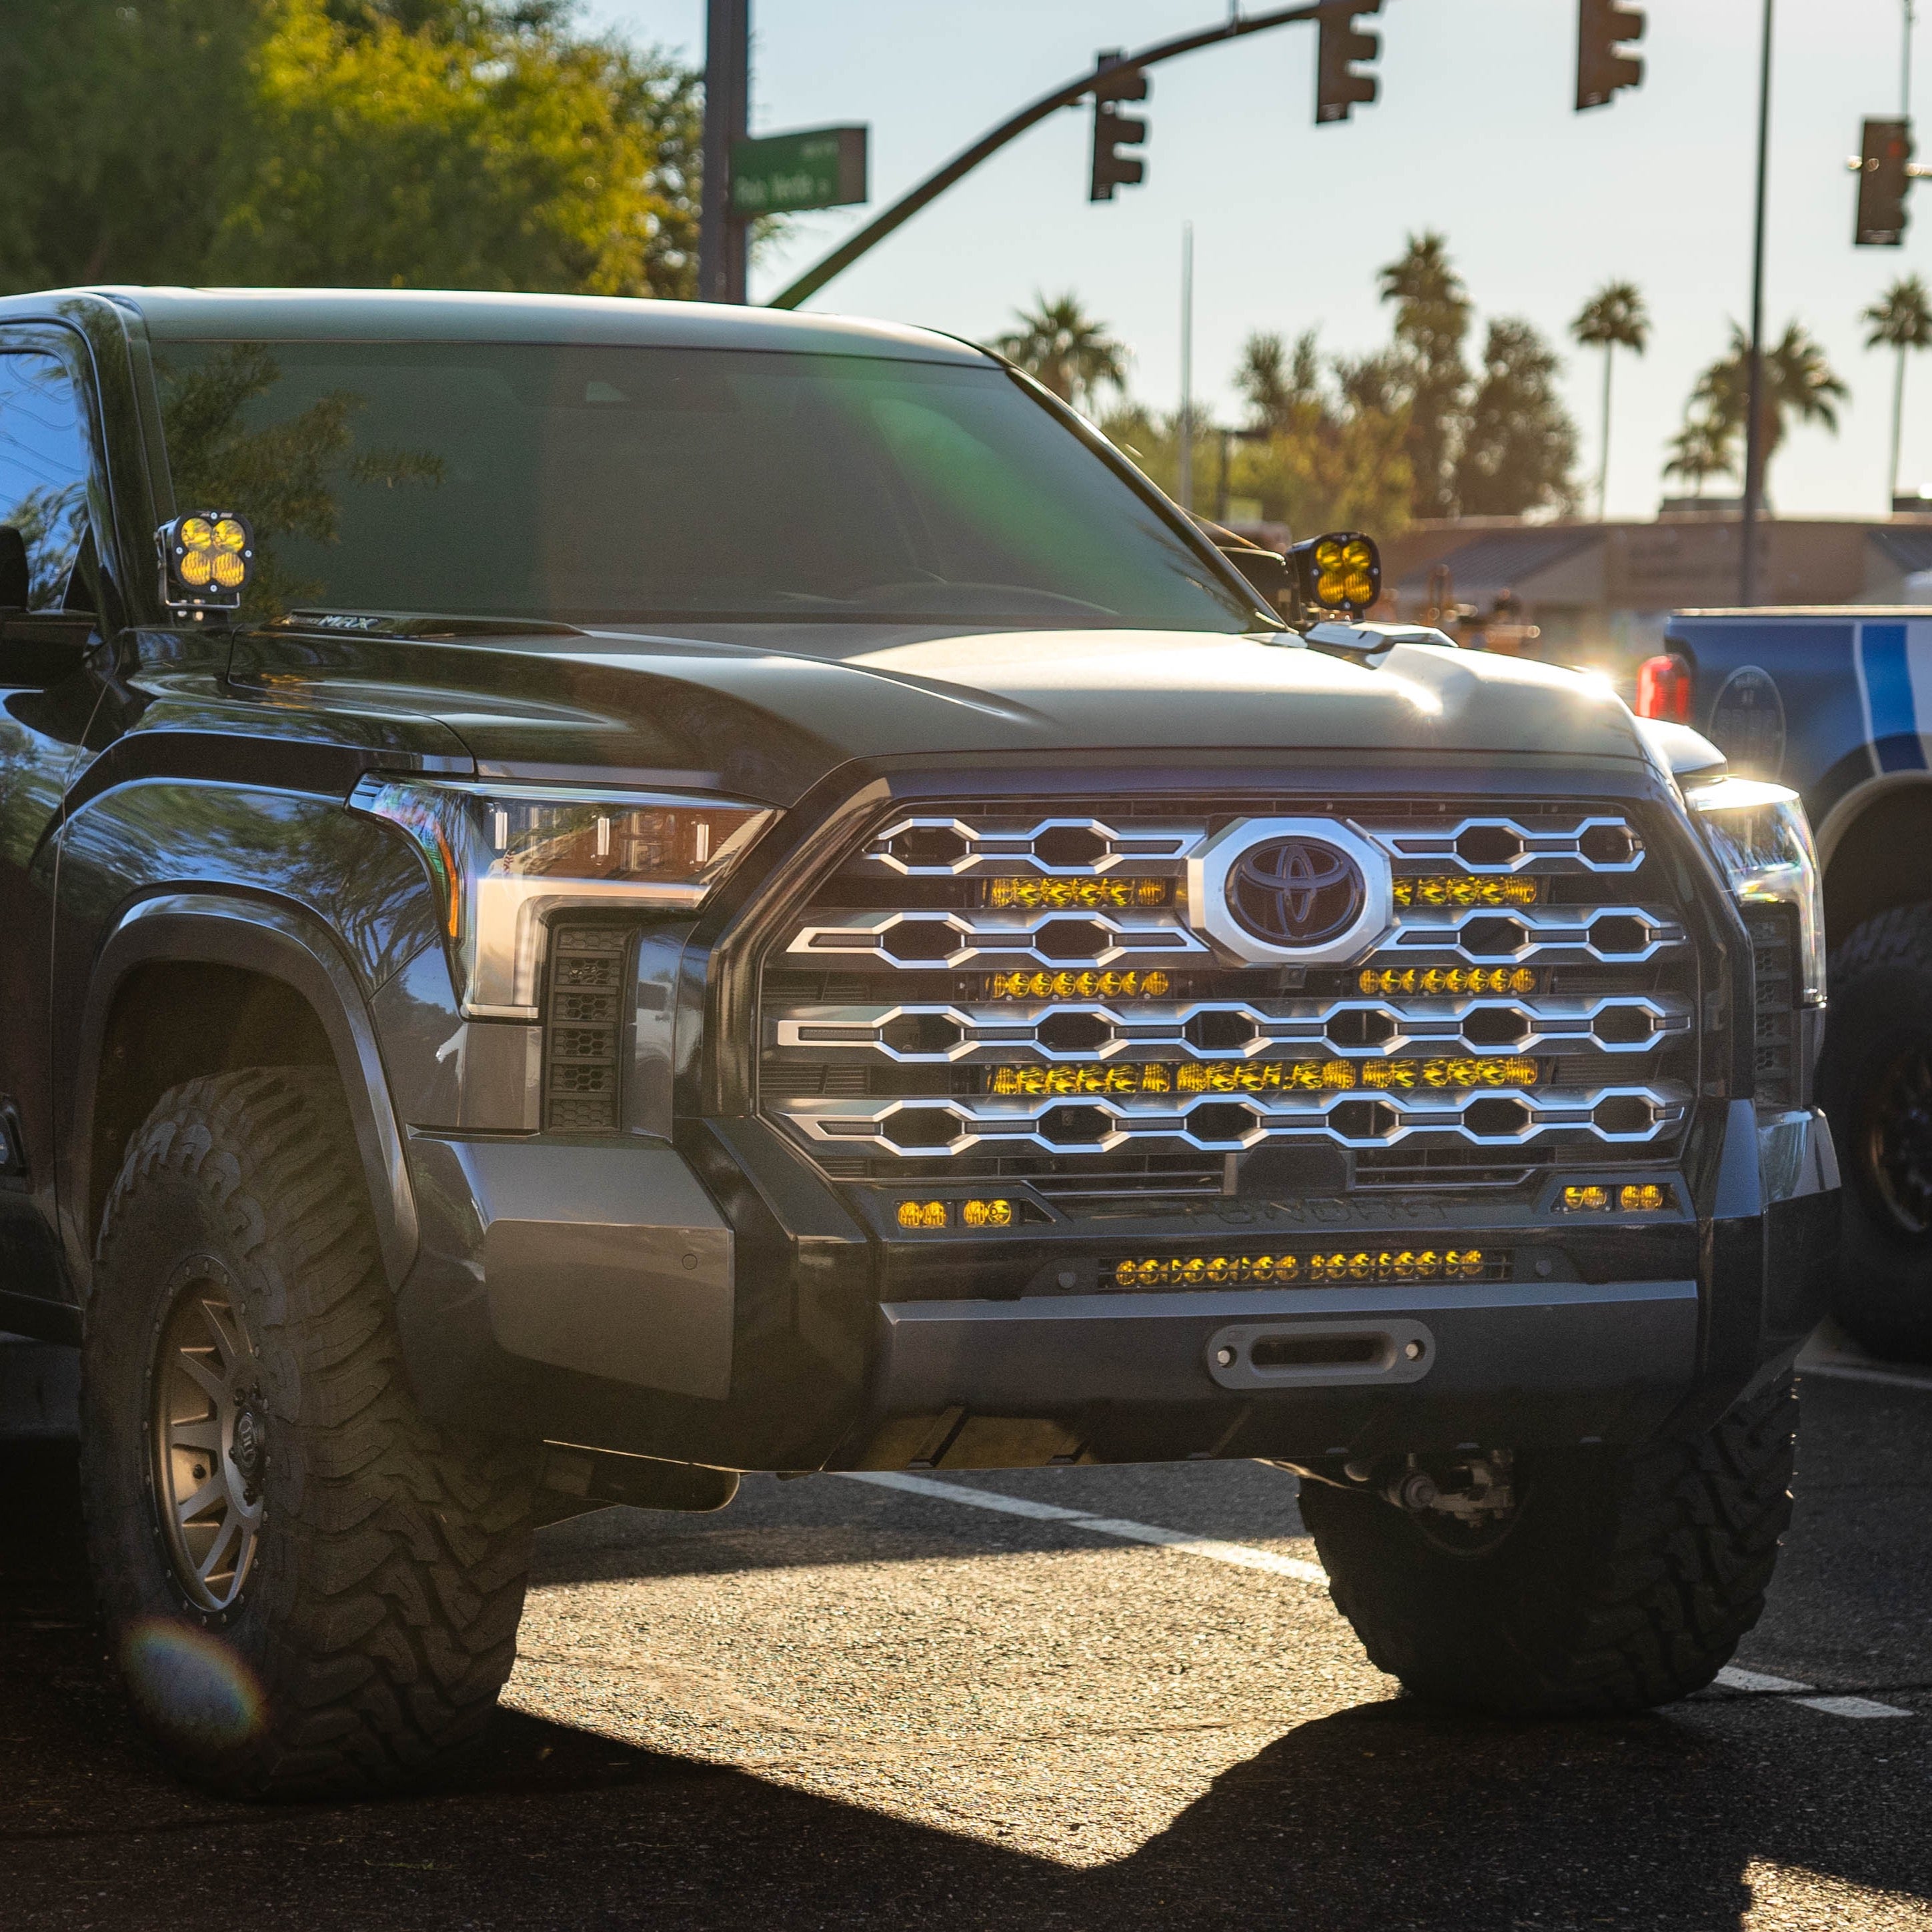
point(1875, 1081)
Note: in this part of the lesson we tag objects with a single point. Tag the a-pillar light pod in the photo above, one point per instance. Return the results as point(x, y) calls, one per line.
point(207, 558)
point(1338, 574)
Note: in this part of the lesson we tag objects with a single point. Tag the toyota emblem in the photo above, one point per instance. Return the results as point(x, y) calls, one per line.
point(1295, 893)
point(1304, 892)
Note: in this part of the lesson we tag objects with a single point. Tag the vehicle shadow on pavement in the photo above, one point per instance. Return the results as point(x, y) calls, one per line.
point(1382, 1816)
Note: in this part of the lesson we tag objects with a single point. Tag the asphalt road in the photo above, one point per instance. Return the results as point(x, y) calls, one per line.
point(842, 1704)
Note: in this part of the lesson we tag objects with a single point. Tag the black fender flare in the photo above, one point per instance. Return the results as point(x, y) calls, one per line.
point(283, 943)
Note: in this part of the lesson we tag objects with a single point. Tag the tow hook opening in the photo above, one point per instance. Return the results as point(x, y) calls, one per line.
point(1292, 1352)
point(1295, 1352)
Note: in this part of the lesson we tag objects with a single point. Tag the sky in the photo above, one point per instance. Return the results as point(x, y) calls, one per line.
point(1475, 134)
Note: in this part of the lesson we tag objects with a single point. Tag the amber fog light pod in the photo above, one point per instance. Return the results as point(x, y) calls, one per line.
point(207, 559)
point(1340, 574)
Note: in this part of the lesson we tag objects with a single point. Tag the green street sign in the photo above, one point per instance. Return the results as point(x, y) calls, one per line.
point(780, 174)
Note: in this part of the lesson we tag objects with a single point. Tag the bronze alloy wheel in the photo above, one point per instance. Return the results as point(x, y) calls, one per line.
point(1897, 1143)
point(209, 1433)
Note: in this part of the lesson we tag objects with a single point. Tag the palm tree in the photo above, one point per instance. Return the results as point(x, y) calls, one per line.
point(1065, 348)
point(1800, 385)
point(1702, 448)
point(1432, 321)
point(1614, 318)
point(1901, 318)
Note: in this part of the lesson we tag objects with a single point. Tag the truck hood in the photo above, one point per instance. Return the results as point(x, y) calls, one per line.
point(767, 710)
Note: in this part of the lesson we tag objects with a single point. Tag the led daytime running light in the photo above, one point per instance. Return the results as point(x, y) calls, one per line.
point(504, 858)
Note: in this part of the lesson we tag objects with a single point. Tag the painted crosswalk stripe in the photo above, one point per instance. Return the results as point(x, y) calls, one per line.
point(1733, 1679)
point(1243, 1555)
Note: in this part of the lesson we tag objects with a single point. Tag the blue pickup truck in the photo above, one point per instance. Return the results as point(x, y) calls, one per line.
point(1836, 703)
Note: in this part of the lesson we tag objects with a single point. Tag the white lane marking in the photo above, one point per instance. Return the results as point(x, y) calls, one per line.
point(920, 1485)
point(1734, 1679)
point(1243, 1555)
point(1852, 1707)
point(1849, 1371)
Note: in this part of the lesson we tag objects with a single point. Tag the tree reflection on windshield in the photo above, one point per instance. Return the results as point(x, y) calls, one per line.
point(286, 476)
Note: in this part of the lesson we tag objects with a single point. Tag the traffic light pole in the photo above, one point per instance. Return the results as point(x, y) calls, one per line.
point(908, 205)
point(1755, 439)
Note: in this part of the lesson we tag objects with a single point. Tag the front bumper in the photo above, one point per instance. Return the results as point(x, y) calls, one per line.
point(718, 1304)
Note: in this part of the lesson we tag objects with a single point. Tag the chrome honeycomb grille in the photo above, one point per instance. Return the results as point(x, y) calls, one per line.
point(985, 991)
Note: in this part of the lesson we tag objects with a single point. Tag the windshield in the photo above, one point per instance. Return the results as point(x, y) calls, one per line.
point(639, 485)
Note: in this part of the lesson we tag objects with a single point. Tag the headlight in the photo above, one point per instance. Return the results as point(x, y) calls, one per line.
point(1762, 840)
point(504, 857)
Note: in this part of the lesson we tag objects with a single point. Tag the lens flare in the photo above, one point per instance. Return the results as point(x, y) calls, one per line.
point(192, 1684)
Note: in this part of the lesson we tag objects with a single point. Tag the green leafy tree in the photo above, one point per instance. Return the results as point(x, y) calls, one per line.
point(1067, 350)
point(1324, 449)
point(1901, 320)
point(410, 143)
point(1800, 386)
point(1614, 318)
point(1518, 444)
point(1431, 323)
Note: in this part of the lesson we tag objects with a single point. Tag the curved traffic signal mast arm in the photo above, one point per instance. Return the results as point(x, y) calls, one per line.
point(909, 204)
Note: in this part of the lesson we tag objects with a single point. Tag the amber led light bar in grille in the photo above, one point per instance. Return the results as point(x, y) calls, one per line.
point(1057, 894)
point(1448, 979)
point(1301, 1270)
point(1262, 1076)
point(925, 1214)
point(1082, 985)
point(1647, 1197)
point(1464, 889)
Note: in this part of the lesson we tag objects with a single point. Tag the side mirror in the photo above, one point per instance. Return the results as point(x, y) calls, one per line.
point(38, 649)
point(1267, 570)
point(1339, 575)
point(15, 583)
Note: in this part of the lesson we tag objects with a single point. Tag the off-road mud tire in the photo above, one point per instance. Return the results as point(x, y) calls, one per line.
point(1627, 1581)
point(1881, 1019)
point(378, 1621)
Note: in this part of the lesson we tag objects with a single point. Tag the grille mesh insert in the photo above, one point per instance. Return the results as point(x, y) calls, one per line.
point(922, 1020)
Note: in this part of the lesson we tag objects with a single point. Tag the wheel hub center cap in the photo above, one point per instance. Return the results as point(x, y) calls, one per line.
point(246, 1452)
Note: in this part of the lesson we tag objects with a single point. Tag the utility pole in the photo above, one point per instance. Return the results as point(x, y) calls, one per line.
point(721, 251)
point(1184, 496)
point(1754, 436)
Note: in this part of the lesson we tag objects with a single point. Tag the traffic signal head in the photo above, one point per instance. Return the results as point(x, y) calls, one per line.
point(1884, 175)
point(1338, 87)
point(1114, 81)
point(1602, 66)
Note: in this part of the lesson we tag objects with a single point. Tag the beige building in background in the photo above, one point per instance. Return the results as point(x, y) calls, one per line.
point(1600, 593)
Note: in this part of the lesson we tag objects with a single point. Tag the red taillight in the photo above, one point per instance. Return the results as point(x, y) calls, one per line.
point(1664, 689)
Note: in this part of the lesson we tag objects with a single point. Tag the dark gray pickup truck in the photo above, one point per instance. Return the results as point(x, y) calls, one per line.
point(599, 894)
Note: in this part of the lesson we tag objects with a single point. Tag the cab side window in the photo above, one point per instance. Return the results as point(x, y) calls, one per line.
point(44, 476)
